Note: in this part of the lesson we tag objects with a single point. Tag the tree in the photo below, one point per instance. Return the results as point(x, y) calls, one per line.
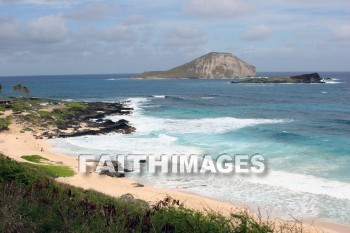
point(17, 87)
point(25, 90)
point(0, 88)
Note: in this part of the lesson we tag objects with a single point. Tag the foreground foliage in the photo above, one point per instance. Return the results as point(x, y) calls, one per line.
point(52, 170)
point(5, 123)
point(31, 201)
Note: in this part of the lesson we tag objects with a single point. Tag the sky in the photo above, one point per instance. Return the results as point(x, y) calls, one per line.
point(52, 37)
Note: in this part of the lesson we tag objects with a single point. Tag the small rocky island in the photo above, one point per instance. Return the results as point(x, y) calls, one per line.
point(304, 78)
point(211, 65)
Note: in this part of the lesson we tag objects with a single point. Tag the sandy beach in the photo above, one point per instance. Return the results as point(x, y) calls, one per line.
point(15, 144)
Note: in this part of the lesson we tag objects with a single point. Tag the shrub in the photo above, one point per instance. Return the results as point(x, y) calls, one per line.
point(2, 108)
point(33, 202)
point(5, 123)
point(20, 107)
point(76, 105)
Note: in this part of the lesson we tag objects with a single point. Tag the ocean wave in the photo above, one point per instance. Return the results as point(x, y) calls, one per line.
point(333, 82)
point(124, 144)
point(146, 124)
point(114, 79)
point(159, 96)
point(305, 183)
point(175, 97)
point(280, 194)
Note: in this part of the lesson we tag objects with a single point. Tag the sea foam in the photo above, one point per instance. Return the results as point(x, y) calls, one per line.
point(145, 124)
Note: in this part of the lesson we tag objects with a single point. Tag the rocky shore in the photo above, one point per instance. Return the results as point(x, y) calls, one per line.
point(91, 121)
point(59, 119)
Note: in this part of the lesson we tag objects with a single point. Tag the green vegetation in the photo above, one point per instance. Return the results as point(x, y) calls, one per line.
point(42, 113)
point(19, 107)
point(56, 170)
point(277, 79)
point(49, 169)
point(17, 87)
point(26, 90)
point(2, 108)
point(70, 109)
point(5, 122)
point(34, 158)
point(35, 116)
point(77, 106)
point(20, 88)
point(25, 104)
point(31, 201)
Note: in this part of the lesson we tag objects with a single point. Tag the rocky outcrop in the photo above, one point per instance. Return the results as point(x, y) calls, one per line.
point(90, 121)
point(211, 65)
point(304, 78)
point(307, 78)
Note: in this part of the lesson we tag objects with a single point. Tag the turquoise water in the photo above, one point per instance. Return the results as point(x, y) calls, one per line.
point(302, 130)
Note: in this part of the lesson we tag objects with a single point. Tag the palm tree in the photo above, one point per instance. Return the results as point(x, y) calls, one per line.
point(17, 87)
point(25, 90)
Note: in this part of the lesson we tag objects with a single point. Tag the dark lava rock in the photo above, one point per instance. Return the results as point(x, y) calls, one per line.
point(308, 78)
point(62, 126)
point(112, 174)
point(94, 117)
point(137, 185)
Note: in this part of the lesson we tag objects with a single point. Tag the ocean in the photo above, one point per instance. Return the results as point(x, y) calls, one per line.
point(301, 130)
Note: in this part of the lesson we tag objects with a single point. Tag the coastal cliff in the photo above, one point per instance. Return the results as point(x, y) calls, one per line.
point(211, 65)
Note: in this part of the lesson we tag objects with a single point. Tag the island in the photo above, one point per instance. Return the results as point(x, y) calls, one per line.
point(211, 65)
point(304, 78)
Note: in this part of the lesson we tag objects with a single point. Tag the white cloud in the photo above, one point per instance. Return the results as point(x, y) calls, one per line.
point(341, 33)
point(8, 28)
point(184, 35)
point(48, 29)
point(218, 8)
point(258, 32)
point(54, 3)
point(115, 34)
point(93, 11)
point(118, 34)
point(136, 20)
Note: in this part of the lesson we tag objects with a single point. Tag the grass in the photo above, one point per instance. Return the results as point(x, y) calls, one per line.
point(49, 169)
point(44, 113)
point(34, 158)
point(37, 116)
point(2, 108)
point(56, 170)
point(20, 107)
point(31, 201)
point(76, 105)
point(5, 122)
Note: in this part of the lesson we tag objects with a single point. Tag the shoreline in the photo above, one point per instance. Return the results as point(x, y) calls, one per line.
point(15, 144)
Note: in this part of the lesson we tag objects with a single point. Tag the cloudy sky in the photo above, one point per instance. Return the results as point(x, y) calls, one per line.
point(130, 36)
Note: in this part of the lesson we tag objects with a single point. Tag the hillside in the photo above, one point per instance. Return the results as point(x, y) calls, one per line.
point(211, 65)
